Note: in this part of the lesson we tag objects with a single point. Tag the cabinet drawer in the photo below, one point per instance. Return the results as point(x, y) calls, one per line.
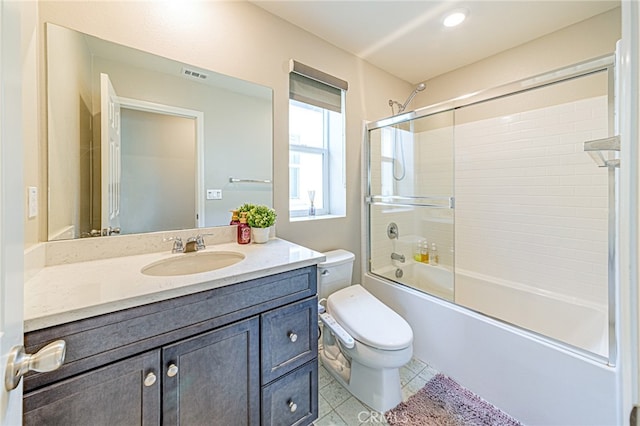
point(292, 399)
point(289, 338)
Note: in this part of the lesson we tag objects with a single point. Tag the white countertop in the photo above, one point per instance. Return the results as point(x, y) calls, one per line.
point(69, 292)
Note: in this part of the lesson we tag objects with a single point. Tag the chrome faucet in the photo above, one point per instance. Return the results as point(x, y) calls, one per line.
point(110, 231)
point(193, 244)
point(101, 232)
point(200, 242)
point(396, 256)
point(178, 247)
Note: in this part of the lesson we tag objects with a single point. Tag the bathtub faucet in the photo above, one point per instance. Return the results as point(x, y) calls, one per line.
point(396, 256)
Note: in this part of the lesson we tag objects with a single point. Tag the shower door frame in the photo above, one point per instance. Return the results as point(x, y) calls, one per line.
point(604, 63)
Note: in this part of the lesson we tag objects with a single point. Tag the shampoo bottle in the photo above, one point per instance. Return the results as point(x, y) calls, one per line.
point(244, 230)
point(424, 252)
point(434, 258)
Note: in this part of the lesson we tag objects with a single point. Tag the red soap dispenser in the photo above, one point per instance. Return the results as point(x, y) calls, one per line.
point(235, 220)
point(244, 230)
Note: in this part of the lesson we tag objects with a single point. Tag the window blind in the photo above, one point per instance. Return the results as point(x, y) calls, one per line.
point(315, 87)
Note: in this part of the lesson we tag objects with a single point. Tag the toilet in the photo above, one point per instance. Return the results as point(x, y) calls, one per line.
point(364, 342)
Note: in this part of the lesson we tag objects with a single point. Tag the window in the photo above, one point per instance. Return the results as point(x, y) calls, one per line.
point(316, 143)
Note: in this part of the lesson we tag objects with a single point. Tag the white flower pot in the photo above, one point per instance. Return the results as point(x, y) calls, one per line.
point(260, 235)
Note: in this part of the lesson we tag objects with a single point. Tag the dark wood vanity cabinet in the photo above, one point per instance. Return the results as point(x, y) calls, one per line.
point(252, 360)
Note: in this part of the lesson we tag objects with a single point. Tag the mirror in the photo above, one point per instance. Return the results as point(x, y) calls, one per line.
point(140, 143)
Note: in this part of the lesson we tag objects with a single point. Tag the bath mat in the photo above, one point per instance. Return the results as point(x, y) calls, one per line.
point(443, 402)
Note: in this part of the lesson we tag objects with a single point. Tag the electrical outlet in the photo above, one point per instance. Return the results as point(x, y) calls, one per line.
point(214, 194)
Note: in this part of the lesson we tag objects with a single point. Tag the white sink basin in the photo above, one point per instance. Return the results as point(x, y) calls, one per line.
point(192, 263)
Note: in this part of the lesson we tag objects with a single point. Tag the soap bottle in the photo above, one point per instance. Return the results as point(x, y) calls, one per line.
point(235, 219)
point(424, 252)
point(244, 230)
point(434, 258)
point(416, 251)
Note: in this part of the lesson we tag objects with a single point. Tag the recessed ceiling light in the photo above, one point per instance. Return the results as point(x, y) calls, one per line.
point(454, 18)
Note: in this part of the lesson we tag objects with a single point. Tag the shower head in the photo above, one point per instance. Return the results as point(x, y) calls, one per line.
point(401, 107)
point(419, 88)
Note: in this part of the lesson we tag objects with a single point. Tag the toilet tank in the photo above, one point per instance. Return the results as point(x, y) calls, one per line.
point(335, 272)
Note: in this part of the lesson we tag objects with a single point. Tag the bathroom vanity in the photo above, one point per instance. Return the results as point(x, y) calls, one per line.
point(236, 347)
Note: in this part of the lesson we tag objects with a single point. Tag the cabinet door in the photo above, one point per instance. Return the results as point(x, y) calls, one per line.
point(124, 393)
point(213, 378)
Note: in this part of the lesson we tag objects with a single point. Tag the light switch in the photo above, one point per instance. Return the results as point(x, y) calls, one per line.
point(214, 194)
point(32, 202)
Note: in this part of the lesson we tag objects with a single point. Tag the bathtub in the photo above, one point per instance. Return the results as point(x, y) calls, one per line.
point(579, 323)
point(436, 280)
point(528, 376)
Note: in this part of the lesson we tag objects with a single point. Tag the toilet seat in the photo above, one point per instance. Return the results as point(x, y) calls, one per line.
point(368, 320)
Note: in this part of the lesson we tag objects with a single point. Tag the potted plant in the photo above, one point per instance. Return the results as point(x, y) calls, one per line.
point(260, 219)
point(246, 207)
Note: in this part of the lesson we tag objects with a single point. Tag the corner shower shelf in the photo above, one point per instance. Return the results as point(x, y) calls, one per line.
point(595, 149)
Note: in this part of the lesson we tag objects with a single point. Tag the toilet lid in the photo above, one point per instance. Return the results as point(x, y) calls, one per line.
point(368, 320)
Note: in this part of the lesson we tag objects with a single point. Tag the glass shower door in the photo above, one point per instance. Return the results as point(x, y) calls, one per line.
point(410, 203)
point(533, 210)
point(535, 217)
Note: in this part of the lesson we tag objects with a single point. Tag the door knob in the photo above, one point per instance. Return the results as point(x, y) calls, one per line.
point(20, 363)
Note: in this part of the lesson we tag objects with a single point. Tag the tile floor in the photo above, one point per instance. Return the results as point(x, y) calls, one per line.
point(339, 408)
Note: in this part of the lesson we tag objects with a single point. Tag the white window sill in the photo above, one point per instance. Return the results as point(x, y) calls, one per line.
point(319, 217)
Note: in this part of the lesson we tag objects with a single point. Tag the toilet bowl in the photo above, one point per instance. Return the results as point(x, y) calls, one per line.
point(364, 342)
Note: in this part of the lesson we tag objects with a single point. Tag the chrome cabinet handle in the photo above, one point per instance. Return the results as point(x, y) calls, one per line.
point(172, 371)
point(292, 406)
point(150, 379)
point(20, 363)
point(292, 336)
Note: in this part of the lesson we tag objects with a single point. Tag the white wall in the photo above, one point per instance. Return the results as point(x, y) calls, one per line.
point(579, 42)
point(69, 133)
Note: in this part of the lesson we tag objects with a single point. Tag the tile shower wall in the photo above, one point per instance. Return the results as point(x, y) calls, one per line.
point(531, 206)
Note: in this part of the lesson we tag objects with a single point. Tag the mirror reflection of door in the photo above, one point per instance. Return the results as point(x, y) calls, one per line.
point(110, 151)
point(158, 171)
point(150, 164)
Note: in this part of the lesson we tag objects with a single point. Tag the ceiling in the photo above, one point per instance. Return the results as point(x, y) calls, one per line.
point(408, 40)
